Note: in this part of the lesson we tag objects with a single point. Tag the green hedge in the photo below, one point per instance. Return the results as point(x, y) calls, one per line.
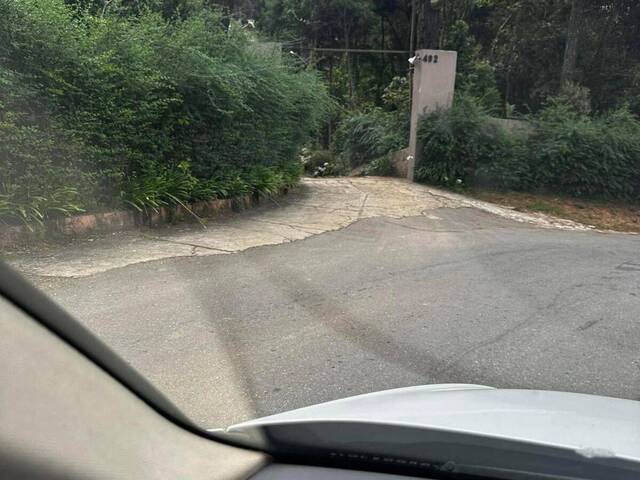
point(563, 151)
point(44, 168)
point(111, 103)
point(586, 156)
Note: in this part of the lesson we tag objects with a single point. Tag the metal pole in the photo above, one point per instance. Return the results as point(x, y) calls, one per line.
point(412, 48)
point(413, 27)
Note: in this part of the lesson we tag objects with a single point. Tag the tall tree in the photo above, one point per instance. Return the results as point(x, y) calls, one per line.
point(568, 73)
point(532, 47)
point(429, 24)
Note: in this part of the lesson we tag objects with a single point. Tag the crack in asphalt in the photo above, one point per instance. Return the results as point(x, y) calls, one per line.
point(530, 320)
point(362, 205)
point(449, 230)
point(290, 225)
point(188, 244)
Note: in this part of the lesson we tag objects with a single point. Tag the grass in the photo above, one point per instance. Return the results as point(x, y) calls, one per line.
point(605, 215)
point(546, 207)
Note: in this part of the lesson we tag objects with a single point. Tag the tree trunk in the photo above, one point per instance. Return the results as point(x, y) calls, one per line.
point(383, 62)
point(347, 46)
point(507, 92)
point(568, 73)
point(429, 24)
point(330, 124)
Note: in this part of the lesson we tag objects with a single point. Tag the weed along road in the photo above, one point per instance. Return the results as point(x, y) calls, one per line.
point(353, 285)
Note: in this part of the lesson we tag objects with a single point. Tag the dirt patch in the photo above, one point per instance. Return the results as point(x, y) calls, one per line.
point(617, 216)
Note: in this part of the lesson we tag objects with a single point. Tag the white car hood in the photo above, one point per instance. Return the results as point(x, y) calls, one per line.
point(472, 417)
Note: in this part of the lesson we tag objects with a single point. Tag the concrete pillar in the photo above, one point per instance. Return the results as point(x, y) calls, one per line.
point(434, 78)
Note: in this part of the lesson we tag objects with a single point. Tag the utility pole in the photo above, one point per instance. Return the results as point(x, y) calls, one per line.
point(413, 27)
point(330, 126)
point(412, 47)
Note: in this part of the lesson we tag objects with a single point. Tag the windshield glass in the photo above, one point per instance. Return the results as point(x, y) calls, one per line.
point(263, 205)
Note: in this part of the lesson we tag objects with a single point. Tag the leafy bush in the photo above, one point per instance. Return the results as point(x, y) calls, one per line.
point(504, 161)
point(474, 74)
point(324, 163)
point(113, 105)
point(565, 151)
point(453, 142)
point(317, 158)
point(291, 173)
point(381, 166)
point(158, 186)
point(33, 210)
point(372, 132)
point(362, 136)
point(397, 96)
point(586, 156)
point(573, 96)
point(43, 168)
point(264, 180)
point(241, 106)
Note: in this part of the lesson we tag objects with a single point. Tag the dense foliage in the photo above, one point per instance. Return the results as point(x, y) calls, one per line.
point(44, 168)
point(101, 108)
point(525, 48)
point(153, 102)
point(513, 57)
point(561, 150)
point(569, 66)
point(370, 133)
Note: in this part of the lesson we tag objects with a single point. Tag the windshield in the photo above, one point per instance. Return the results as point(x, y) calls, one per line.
point(263, 205)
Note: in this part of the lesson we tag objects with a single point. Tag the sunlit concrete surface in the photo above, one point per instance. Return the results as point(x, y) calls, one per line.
point(317, 206)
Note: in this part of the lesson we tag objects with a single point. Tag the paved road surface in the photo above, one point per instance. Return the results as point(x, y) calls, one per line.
point(388, 297)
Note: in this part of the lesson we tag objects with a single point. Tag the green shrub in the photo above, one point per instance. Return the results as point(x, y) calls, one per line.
point(372, 132)
point(381, 166)
point(504, 161)
point(474, 75)
point(573, 96)
point(264, 180)
point(317, 158)
point(33, 210)
point(365, 135)
point(44, 170)
point(564, 151)
point(452, 143)
point(211, 189)
point(155, 186)
point(338, 168)
point(158, 186)
point(291, 172)
point(324, 163)
point(397, 96)
point(586, 156)
point(241, 106)
point(112, 105)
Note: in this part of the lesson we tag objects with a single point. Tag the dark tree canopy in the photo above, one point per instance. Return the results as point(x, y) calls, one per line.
point(533, 47)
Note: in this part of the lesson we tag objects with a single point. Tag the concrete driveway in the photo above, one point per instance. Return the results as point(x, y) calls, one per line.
point(355, 285)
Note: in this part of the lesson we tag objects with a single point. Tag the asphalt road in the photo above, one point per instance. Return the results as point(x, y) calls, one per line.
point(459, 295)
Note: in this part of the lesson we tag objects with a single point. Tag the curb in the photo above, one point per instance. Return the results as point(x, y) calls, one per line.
point(119, 220)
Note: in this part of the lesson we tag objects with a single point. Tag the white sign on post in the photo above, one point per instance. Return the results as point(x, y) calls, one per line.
point(434, 78)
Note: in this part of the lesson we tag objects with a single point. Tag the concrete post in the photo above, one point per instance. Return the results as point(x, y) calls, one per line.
point(434, 78)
